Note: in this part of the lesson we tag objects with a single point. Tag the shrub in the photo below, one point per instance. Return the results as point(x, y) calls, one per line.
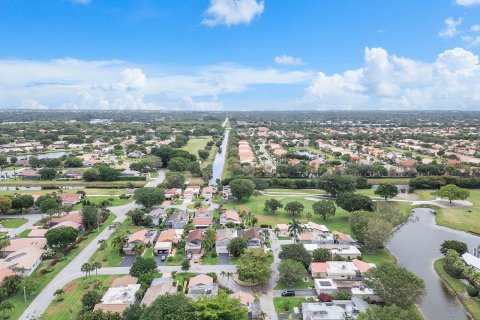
point(325, 297)
point(213, 254)
point(472, 292)
point(180, 288)
point(453, 272)
point(53, 262)
point(43, 271)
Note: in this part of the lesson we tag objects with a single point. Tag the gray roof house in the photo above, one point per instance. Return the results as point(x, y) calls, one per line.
point(223, 238)
point(178, 220)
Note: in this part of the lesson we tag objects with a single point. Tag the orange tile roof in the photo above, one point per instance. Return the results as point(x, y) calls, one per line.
point(361, 265)
point(319, 267)
point(124, 281)
point(5, 273)
point(200, 279)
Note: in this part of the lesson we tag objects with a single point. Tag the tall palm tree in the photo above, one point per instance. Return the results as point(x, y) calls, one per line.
point(223, 274)
point(87, 268)
point(296, 228)
point(228, 275)
point(5, 242)
point(96, 265)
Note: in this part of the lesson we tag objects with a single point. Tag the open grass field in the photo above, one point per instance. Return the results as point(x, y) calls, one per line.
point(55, 183)
point(456, 285)
point(110, 257)
point(70, 306)
point(466, 219)
point(114, 200)
point(196, 143)
point(316, 151)
point(282, 303)
point(13, 222)
point(414, 153)
point(89, 191)
point(42, 280)
point(300, 284)
point(393, 180)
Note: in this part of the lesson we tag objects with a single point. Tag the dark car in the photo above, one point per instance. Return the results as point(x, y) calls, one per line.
point(288, 293)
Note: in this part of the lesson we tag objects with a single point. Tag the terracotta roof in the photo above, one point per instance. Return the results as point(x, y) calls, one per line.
point(195, 235)
point(124, 281)
point(361, 265)
point(70, 197)
point(251, 233)
point(29, 173)
point(231, 215)
point(73, 216)
point(283, 226)
point(319, 267)
point(139, 236)
point(167, 235)
point(5, 273)
point(306, 236)
point(37, 233)
point(202, 221)
point(200, 279)
point(21, 243)
point(245, 298)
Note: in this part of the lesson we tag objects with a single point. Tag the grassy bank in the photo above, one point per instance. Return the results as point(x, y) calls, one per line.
point(69, 307)
point(57, 184)
point(196, 143)
point(457, 287)
point(466, 218)
point(12, 222)
point(42, 280)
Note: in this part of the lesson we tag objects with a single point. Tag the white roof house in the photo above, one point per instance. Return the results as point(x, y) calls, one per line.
point(335, 310)
point(471, 260)
point(325, 286)
point(351, 252)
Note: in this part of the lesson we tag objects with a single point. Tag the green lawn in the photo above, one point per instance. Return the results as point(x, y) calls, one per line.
point(18, 301)
point(13, 222)
point(472, 304)
point(90, 184)
point(196, 143)
point(154, 174)
point(114, 200)
point(414, 153)
point(393, 180)
point(177, 259)
point(300, 284)
point(381, 256)
point(466, 219)
point(70, 306)
point(24, 233)
point(280, 302)
point(110, 257)
point(316, 151)
point(209, 261)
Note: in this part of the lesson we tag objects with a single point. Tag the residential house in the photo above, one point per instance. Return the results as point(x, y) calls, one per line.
point(143, 236)
point(120, 295)
point(226, 193)
point(471, 260)
point(158, 215)
point(351, 252)
point(335, 310)
point(208, 193)
point(172, 193)
point(194, 241)
point(69, 199)
point(29, 174)
point(193, 192)
point(74, 174)
point(282, 230)
point(248, 300)
point(5, 273)
point(223, 238)
point(327, 286)
point(18, 244)
point(201, 285)
point(365, 293)
point(254, 237)
point(230, 216)
point(177, 220)
point(37, 232)
point(316, 228)
point(130, 173)
point(167, 240)
point(75, 216)
point(158, 287)
point(203, 218)
point(23, 261)
point(336, 270)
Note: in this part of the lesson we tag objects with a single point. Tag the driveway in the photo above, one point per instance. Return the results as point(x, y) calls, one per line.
point(298, 293)
point(127, 261)
point(223, 259)
point(31, 217)
point(159, 261)
point(158, 180)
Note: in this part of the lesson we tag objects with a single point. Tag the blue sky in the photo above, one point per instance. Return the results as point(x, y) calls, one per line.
point(240, 54)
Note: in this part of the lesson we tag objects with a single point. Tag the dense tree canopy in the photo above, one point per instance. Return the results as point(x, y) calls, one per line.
point(242, 188)
point(149, 197)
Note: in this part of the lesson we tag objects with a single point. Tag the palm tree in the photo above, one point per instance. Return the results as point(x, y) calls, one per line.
point(138, 248)
point(96, 265)
point(120, 240)
point(223, 274)
point(3, 244)
point(296, 228)
point(228, 275)
point(87, 268)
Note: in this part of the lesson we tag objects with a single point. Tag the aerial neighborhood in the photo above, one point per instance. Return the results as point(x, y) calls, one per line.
point(267, 216)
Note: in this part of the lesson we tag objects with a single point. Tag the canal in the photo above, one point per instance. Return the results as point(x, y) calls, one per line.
point(219, 161)
point(416, 246)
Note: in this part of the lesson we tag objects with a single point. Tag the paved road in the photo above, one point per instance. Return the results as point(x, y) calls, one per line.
point(157, 180)
point(72, 270)
point(31, 217)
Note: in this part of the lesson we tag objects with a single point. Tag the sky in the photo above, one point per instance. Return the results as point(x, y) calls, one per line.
point(240, 54)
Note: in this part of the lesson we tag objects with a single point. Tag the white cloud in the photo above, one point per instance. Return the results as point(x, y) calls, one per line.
point(450, 28)
point(71, 83)
point(471, 41)
point(467, 3)
point(475, 28)
point(289, 60)
point(230, 12)
point(387, 81)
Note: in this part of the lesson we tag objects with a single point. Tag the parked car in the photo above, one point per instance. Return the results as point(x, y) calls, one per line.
point(189, 256)
point(195, 260)
point(288, 293)
point(163, 257)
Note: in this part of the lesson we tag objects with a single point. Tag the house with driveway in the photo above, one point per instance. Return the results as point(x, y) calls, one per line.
point(193, 242)
point(254, 237)
point(23, 261)
point(167, 240)
point(230, 216)
point(143, 236)
point(201, 285)
point(223, 238)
